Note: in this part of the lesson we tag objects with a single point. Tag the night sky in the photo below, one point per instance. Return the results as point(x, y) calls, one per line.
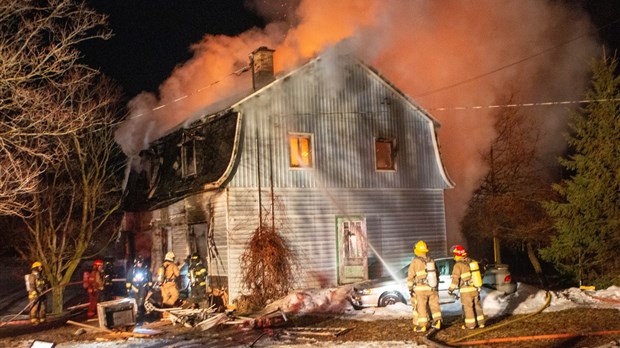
point(151, 37)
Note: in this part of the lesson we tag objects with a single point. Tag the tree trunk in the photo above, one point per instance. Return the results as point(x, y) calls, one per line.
point(531, 254)
point(57, 300)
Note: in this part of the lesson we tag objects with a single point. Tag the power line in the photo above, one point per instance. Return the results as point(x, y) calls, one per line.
point(515, 62)
point(518, 105)
point(236, 73)
point(247, 67)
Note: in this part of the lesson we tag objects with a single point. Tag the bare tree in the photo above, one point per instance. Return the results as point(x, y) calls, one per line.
point(507, 206)
point(39, 62)
point(79, 192)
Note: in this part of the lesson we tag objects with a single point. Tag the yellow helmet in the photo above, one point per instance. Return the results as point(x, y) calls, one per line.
point(420, 248)
point(36, 264)
point(169, 256)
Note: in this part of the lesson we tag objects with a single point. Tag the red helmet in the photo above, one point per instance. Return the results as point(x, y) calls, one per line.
point(98, 262)
point(458, 250)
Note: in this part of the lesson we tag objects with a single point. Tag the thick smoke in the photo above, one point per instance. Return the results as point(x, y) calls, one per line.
point(441, 53)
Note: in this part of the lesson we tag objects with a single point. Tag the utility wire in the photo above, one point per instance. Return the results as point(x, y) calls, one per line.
point(247, 67)
point(235, 73)
point(516, 62)
point(519, 105)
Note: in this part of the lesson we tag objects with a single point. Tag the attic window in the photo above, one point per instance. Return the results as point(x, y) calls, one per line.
point(301, 154)
point(188, 154)
point(385, 154)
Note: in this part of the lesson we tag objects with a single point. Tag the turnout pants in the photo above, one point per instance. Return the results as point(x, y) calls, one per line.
point(169, 293)
point(37, 310)
point(472, 309)
point(423, 300)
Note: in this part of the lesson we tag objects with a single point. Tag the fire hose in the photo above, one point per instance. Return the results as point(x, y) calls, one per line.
point(458, 342)
point(29, 303)
point(491, 328)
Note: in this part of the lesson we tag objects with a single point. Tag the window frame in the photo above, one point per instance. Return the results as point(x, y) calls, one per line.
point(393, 152)
point(188, 140)
point(298, 136)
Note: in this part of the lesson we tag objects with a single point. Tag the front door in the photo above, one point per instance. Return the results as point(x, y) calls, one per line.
point(352, 249)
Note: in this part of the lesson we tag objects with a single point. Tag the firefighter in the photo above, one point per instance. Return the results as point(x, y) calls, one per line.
point(93, 283)
point(138, 283)
point(36, 286)
point(466, 276)
point(107, 274)
point(197, 279)
point(167, 276)
point(422, 283)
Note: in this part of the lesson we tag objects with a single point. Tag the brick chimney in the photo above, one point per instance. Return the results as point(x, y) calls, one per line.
point(261, 62)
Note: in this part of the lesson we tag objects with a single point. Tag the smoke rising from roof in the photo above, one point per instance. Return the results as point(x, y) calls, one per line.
point(420, 46)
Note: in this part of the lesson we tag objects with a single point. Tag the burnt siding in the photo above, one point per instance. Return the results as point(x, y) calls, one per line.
point(344, 120)
point(396, 220)
point(214, 139)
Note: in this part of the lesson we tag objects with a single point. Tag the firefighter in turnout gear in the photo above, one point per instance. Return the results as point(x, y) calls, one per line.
point(466, 276)
point(167, 276)
point(36, 286)
point(93, 283)
point(107, 274)
point(197, 279)
point(138, 283)
point(422, 284)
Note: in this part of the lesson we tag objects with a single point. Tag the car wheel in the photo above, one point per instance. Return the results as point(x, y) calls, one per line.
point(389, 299)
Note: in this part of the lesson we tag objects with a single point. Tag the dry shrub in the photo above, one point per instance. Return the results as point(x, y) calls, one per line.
point(267, 267)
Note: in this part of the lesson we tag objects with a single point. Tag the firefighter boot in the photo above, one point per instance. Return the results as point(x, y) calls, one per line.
point(420, 328)
point(437, 324)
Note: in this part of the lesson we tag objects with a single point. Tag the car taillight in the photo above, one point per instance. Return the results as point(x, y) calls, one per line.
point(507, 279)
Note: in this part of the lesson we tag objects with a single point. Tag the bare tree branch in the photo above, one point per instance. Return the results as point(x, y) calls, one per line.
point(39, 62)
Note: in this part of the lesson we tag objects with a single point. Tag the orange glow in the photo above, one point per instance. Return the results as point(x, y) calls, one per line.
point(423, 48)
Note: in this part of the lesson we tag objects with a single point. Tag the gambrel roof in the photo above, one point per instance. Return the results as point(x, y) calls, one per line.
point(217, 138)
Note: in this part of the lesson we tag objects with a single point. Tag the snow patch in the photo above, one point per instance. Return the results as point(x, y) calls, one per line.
point(527, 299)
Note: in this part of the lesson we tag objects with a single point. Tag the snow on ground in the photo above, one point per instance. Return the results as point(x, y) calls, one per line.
point(527, 299)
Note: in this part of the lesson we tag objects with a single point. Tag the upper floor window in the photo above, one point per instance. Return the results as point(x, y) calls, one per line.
point(188, 154)
point(300, 147)
point(385, 154)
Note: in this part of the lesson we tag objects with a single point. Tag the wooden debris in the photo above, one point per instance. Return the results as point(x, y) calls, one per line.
point(86, 326)
point(108, 331)
point(212, 321)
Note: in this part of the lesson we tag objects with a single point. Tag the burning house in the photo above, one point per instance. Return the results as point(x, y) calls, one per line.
point(346, 165)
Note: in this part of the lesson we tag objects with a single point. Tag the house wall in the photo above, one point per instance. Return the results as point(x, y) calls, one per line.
point(396, 220)
point(169, 233)
point(345, 108)
point(344, 112)
point(344, 121)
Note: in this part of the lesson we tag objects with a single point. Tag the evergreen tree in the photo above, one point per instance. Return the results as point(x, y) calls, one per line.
point(587, 217)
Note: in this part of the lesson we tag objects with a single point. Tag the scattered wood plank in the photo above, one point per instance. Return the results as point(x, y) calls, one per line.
point(212, 321)
point(86, 326)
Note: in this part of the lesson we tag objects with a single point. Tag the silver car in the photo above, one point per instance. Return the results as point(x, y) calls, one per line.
point(387, 290)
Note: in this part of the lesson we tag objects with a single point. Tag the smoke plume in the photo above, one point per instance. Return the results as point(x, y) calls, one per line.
point(440, 53)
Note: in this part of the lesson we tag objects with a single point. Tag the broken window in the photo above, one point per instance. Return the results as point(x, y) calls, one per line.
point(385, 154)
point(300, 146)
point(353, 239)
point(188, 154)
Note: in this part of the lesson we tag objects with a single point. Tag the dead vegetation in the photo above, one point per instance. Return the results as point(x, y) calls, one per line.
point(267, 269)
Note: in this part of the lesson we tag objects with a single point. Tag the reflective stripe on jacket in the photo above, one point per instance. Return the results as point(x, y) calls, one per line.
point(461, 277)
point(417, 275)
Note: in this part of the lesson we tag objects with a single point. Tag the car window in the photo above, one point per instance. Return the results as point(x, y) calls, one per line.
point(444, 266)
point(404, 271)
